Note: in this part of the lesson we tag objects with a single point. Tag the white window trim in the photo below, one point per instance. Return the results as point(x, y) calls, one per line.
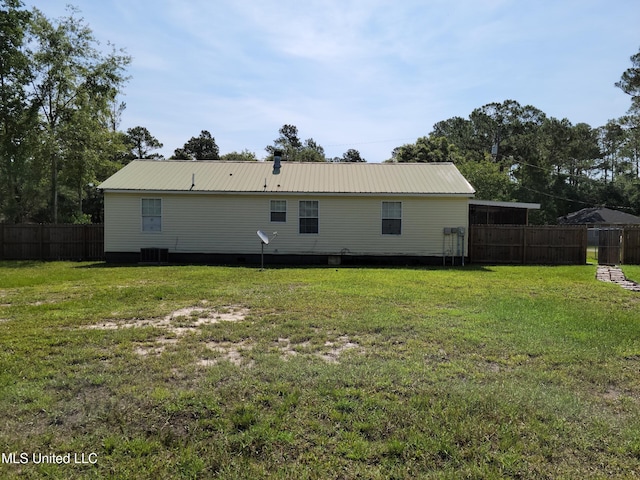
point(299, 218)
point(286, 211)
point(383, 218)
point(142, 216)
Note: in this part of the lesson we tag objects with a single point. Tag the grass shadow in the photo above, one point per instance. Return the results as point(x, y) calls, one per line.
point(21, 263)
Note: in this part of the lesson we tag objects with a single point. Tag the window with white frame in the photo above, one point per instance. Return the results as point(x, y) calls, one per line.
point(278, 210)
point(391, 218)
point(151, 215)
point(308, 215)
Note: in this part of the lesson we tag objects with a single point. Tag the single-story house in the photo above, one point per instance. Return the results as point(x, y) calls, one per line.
point(599, 216)
point(211, 211)
point(597, 219)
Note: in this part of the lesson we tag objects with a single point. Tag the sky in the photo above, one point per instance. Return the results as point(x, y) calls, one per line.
point(364, 74)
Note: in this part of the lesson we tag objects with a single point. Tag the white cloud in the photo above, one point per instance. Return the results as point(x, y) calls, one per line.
point(357, 73)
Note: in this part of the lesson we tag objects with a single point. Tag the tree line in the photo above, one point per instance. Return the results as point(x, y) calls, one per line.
point(204, 147)
point(512, 152)
point(60, 134)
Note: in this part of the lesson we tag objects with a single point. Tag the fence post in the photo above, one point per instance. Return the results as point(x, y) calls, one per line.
point(83, 256)
point(41, 241)
point(524, 244)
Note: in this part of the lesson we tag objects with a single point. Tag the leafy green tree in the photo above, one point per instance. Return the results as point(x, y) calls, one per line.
point(631, 143)
point(89, 145)
point(203, 147)
point(489, 181)
point(583, 154)
point(181, 154)
point(141, 143)
point(509, 131)
point(288, 143)
point(244, 156)
point(352, 156)
point(510, 151)
point(293, 149)
point(460, 132)
point(427, 150)
point(19, 170)
point(611, 137)
point(629, 82)
point(73, 83)
point(311, 152)
point(572, 150)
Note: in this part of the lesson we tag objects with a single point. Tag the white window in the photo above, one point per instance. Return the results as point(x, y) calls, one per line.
point(308, 214)
point(391, 218)
point(278, 210)
point(151, 215)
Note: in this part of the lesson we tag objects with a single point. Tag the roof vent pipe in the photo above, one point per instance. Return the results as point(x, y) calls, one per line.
point(277, 157)
point(193, 181)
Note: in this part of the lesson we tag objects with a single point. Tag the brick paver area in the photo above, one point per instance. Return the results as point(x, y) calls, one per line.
point(608, 273)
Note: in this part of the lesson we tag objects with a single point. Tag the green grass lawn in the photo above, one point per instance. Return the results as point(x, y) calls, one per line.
point(632, 272)
point(314, 373)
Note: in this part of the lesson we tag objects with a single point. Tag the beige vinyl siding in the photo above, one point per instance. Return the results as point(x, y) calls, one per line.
point(227, 223)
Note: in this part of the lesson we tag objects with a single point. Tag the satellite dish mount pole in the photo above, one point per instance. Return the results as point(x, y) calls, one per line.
point(264, 240)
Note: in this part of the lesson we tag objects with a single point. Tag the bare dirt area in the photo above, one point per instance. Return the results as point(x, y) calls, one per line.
point(182, 321)
point(188, 320)
point(228, 351)
point(178, 323)
point(330, 353)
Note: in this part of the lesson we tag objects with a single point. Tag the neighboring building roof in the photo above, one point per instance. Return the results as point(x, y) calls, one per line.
point(322, 178)
point(492, 203)
point(599, 215)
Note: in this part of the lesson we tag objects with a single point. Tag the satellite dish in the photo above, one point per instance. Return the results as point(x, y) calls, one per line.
point(263, 236)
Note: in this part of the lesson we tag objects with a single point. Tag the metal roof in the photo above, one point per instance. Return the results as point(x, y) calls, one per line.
point(322, 178)
point(492, 203)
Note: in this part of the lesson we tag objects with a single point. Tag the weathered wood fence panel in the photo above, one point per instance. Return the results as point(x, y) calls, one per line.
point(528, 244)
point(631, 246)
point(51, 242)
point(610, 246)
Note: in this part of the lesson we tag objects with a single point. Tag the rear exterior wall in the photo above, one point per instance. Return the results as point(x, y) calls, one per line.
point(227, 224)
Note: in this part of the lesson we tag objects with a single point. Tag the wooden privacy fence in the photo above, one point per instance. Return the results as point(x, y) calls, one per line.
point(631, 245)
point(616, 244)
point(51, 242)
point(528, 244)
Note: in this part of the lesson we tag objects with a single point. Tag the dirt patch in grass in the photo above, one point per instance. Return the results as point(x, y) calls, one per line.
point(341, 345)
point(178, 323)
point(189, 320)
point(155, 348)
point(182, 321)
point(330, 353)
point(230, 352)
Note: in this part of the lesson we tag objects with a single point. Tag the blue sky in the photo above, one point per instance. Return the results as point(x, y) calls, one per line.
point(363, 74)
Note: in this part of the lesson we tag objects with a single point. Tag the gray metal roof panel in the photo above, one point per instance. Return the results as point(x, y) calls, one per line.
point(331, 178)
